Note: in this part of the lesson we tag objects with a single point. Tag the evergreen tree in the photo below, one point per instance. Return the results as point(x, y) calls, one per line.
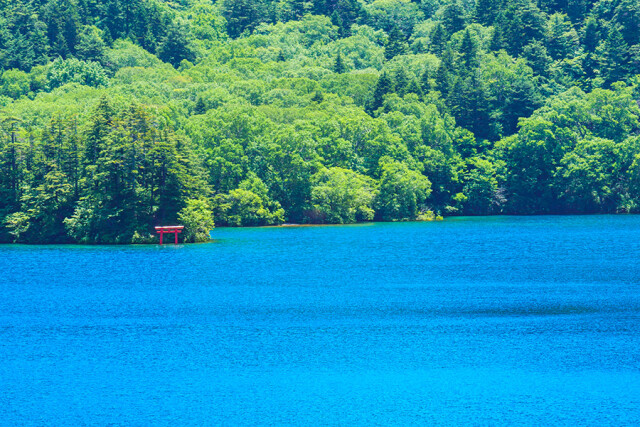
point(100, 123)
point(317, 97)
point(396, 44)
point(520, 22)
point(444, 72)
point(453, 17)
point(414, 87)
point(537, 57)
point(590, 35)
point(338, 22)
point(347, 13)
point(438, 39)
point(175, 47)
point(576, 9)
point(339, 66)
point(425, 81)
point(200, 107)
point(401, 82)
point(468, 52)
point(62, 21)
point(562, 39)
point(468, 101)
point(487, 11)
point(627, 18)
point(383, 87)
point(11, 174)
point(241, 15)
point(497, 38)
point(90, 45)
point(25, 43)
point(614, 56)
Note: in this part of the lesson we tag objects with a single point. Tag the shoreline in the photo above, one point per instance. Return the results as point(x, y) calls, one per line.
point(295, 225)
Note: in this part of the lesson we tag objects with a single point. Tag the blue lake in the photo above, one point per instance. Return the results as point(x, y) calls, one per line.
point(500, 320)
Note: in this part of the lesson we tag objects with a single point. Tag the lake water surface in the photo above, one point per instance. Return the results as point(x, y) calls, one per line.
point(501, 320)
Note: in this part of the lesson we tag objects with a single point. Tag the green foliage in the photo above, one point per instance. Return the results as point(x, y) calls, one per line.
point(341, 196)
point(126, 54)
point(175, 46)
point(248, 205)
point(396, 44)
point(402, 191)
point(15, 83)
point(117, 116)
point(61, 72)
point(91, 46)
point(197, 218)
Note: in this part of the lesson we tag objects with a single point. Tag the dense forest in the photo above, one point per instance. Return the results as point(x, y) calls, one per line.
point(118, 115)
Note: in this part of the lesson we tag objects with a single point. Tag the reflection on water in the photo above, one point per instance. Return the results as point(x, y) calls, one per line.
point(528, 320)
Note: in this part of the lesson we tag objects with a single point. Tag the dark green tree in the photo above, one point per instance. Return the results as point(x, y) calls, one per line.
point(63, 21)
point(200, 107)
point(445, 72)
point(339, 66)
point(590, 35)
point(438, 39)
point(25, 40)
point(487, 11)
point(453, 17)
point(242, 15)
point(176, 47)
point(537, 57)
point(396, 44)
point(383, 87)
point(401, 82)
point(614, 56)
point(468, 52)
point(90, 45)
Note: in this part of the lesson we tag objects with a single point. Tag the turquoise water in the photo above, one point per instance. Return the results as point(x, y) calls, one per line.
point(527, 320)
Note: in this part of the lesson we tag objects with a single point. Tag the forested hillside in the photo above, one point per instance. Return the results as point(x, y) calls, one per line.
point(118, 115)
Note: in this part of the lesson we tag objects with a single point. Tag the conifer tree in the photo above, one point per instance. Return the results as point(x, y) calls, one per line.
point(576, 9)
point(339, 66)
point(486, 11)
point(200, 107)
point(414, 87)
point(175, 47)
point(562, 39)
point(425, 81)
point(438, 39)
point(383, 87)
point(614, 56)
point(100, 123)
point(241, 15)
point(468, 52)
point(537, 58)
point(317, 97)
point(90, 45)
point(590, 35)
point(453, 17)
point(25, 43)
point(497, 38)
point(396, 44)
point(444, 72)
point(338, 22)
point(11, 176)
point(401, 82)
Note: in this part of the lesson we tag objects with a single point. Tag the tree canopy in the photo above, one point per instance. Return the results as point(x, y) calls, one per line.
point(116, 116)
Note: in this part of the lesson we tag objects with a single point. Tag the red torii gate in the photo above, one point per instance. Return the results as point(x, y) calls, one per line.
point(175, 229)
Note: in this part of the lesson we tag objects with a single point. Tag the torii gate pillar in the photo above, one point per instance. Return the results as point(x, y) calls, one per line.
point(175, 229)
